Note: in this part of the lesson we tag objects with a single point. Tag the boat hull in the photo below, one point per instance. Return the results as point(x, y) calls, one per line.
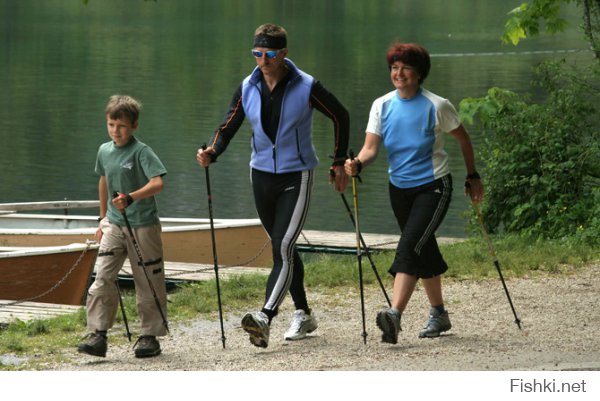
point(238, 241)
point(58, 275)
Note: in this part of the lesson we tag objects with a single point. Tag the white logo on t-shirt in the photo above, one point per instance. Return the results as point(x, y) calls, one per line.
point(127, 165)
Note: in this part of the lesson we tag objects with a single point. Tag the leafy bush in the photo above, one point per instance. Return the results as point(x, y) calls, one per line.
point(542, 161)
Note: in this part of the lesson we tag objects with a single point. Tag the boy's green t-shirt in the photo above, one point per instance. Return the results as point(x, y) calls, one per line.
point(127, 169)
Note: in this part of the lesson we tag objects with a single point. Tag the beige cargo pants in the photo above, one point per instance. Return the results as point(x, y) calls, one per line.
point(103, 297)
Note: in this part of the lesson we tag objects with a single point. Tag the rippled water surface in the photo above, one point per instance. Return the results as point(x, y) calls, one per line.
point(61, 60)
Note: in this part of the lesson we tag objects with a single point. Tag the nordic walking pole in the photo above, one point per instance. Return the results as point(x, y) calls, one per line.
point(123, 310)
point(359, 252)
point(214, 249)
point(141, 262)
point(332, 173)
point(367, 251)
point(495, 259)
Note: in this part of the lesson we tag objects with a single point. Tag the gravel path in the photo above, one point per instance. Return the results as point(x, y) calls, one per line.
point(558, 313)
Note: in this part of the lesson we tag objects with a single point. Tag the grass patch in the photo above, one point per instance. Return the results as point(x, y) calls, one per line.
point(518, 257)
point(50, 340)
point(193, 299)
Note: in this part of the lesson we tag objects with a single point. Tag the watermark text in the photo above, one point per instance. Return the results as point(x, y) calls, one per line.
point(546, 386)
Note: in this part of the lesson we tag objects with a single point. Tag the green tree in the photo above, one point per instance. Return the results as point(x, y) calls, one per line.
point(526, 20)
point(542, 160)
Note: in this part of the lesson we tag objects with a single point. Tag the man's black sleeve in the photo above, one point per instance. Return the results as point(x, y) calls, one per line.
point(230, 125)
point(324, 101)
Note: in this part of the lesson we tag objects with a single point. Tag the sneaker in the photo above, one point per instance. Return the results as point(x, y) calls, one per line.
point(388, 321)
point(301, 325)
point(96, 345)
point(437, 324)
point(146, 347)
point(257, 325)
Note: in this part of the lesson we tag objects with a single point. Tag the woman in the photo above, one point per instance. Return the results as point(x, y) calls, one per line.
point(411, 123)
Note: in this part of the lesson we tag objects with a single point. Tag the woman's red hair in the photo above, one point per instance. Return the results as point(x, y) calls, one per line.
point(411, 54)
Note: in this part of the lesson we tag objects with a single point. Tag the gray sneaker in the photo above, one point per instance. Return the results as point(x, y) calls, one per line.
point(301, 325)
point(257, 325)
point(437, 324)
point(388, 321)
point(146, 347)
point(95, 345)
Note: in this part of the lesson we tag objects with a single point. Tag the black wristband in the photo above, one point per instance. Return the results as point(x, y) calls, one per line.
point(129, 199)
point(100, 219)
point(337, 160)
point(474, 176)
point(358, 165)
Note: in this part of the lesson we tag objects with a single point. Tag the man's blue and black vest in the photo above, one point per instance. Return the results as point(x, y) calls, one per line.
point(293, 149)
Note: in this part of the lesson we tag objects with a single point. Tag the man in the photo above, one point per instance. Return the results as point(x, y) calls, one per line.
point(278, 99)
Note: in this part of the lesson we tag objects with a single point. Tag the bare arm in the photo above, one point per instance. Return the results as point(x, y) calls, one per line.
point(153, 187)
point(103, 198)
point(103, 195)
point(366, 156)
point(475, 189)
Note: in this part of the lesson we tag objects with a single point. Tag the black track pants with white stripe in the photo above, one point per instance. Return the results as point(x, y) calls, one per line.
point(282, 202)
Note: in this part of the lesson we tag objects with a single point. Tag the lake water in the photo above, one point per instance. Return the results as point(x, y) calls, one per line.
point(60, 60)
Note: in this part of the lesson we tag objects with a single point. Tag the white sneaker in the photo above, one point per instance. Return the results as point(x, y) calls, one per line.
point(301, 325)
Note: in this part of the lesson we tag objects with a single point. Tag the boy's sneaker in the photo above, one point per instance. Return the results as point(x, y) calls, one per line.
point(388, 321)
point(301, 325)
point(437, 324)
point(95, 345)
point(146, 347)
point(257, 325)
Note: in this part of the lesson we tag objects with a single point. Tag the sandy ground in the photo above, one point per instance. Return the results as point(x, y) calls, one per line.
point(559, 317)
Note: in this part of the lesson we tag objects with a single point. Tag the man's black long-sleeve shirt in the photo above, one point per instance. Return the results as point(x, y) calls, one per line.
point(271, 101)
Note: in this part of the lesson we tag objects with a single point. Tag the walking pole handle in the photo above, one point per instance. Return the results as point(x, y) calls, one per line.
point(351, 153)
point(213, 157)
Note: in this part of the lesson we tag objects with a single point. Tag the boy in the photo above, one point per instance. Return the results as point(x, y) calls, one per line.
point(131, 169)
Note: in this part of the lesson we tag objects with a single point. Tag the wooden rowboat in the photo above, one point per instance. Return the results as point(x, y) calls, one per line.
point(58, 275)
point(240, 242)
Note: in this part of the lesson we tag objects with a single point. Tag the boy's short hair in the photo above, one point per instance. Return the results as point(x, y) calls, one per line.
point(120, 106)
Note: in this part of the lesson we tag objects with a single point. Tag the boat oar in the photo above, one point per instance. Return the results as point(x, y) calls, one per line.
point(214, 249)
point(141, 263)
point(359, 252)
point(495, 259)
point(123, 310)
